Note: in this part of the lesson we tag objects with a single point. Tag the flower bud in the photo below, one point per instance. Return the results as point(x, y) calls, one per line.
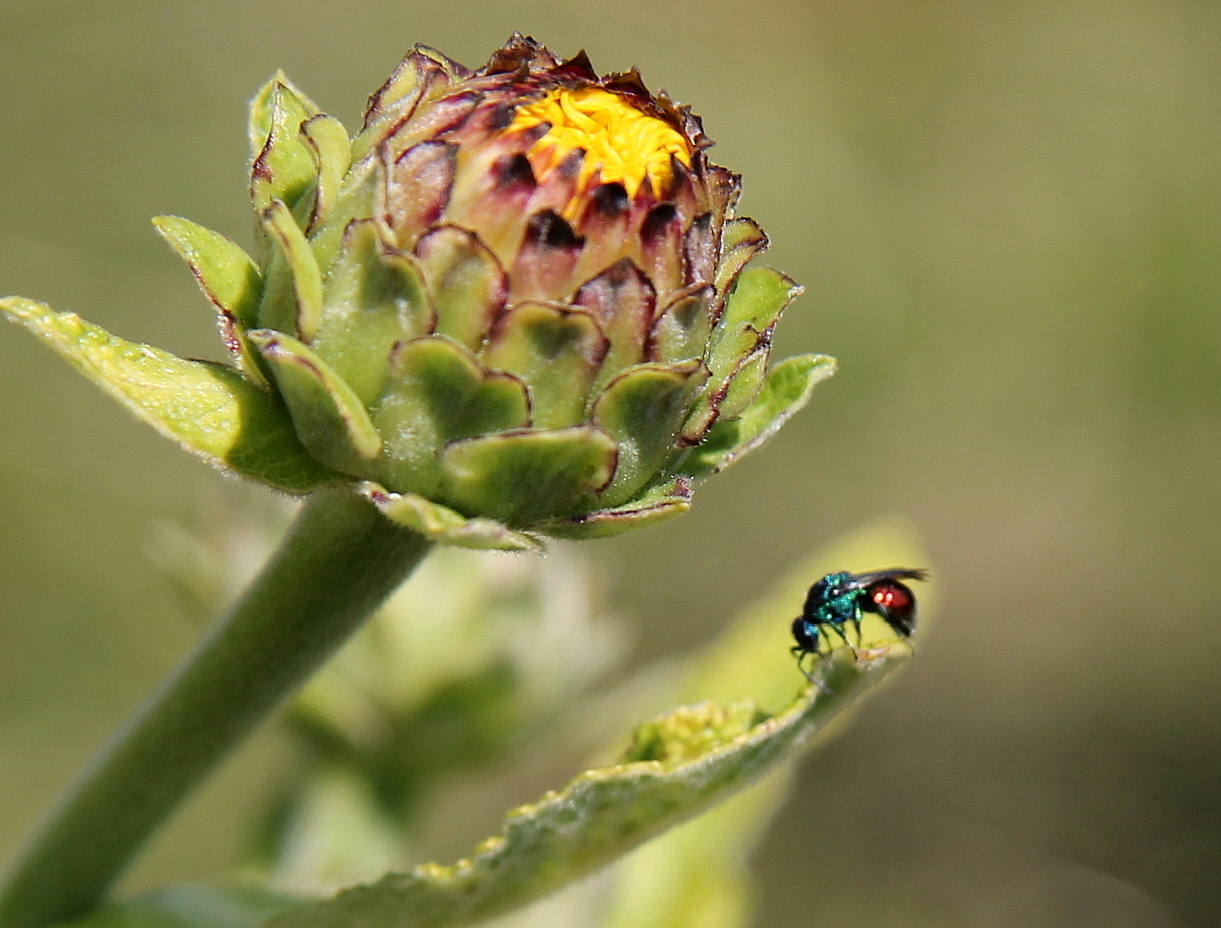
point(516, 303)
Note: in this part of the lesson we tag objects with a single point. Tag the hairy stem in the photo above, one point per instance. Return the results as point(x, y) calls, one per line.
point(339, 561)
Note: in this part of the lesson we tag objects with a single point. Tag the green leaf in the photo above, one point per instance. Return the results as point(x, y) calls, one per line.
point(300, 311)
point(681, 329)
point(758, 298)
point(556, 351)
point(467, 283)
point(209, 409)
point(523, 477)
point(744, 384)
point(786, 391)
point(259, 126)
point(328, 416)
point(696, 757)
point(698, 875)
point(192, 906)
point(741, 240)
point(438, 393)
point(374, 300)
point(285, 168)
point(356, 200)
point(328, 139)
point(445, 526)
point(738, 351)
point(643, 410)
point(656, 504)
point(225, 273)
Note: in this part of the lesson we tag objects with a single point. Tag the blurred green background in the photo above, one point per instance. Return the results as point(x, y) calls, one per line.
point(1008, 219)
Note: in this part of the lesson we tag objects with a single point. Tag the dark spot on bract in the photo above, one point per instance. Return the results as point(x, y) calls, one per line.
point(514, 170)
point(550, 229)
point(610, 199)
point(657, 222)
point(571, 165)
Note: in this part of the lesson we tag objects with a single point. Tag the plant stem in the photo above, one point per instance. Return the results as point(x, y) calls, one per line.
point(339, 561)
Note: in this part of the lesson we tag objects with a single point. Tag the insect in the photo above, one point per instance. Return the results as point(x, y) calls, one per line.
point(839, 599)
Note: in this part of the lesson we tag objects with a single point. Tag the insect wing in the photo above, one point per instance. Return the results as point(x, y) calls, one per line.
point(860, 581)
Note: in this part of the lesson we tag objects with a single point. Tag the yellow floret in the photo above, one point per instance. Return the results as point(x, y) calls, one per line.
point(621, 142)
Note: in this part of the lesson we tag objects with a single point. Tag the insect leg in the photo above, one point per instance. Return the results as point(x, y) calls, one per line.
point(800, 653)
point(839, 630)
point(808, 674)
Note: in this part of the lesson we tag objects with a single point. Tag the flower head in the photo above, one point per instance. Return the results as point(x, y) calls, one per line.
point(515, 303)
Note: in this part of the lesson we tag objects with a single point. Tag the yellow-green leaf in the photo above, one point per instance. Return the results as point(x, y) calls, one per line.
point(293, 255)
point(445, 526)
point(285, 167)
point(706, 753)
point(786, 391)
point(209, 409)
point(226, 274)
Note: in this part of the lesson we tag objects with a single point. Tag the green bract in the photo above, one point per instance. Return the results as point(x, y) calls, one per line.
point(515, 303)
